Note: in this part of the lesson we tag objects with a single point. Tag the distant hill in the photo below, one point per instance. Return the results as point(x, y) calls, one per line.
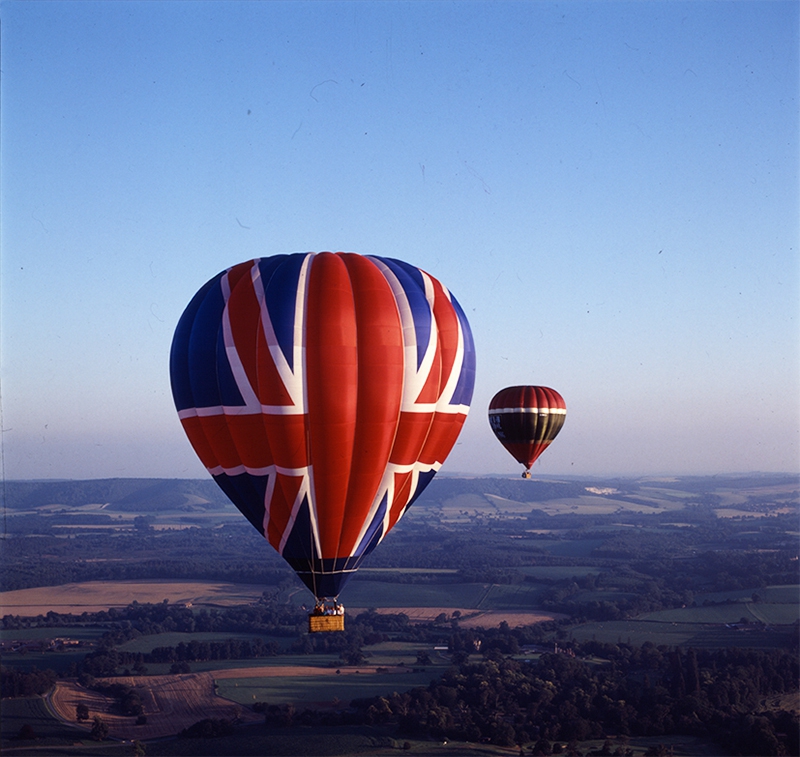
point(151, 494)
point(120, 494)
point(143, 495)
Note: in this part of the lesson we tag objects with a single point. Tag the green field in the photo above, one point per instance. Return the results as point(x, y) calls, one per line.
point(512, 597)
point(634, 632)
point(81, 633)
point(789, 594)
point(147, 644)
point(366, 593)
point(56, 661)
point(711, 636)
point(769, 623)
point(761, 612)
point(306, 691)
point(33, 711)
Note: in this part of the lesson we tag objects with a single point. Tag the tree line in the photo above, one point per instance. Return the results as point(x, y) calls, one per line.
point(644, 691)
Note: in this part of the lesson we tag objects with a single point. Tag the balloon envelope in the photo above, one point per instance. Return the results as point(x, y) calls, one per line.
point(526, 419)
point(323, 391)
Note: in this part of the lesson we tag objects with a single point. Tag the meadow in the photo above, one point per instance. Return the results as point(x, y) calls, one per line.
point(326, 690)
point(33, 711)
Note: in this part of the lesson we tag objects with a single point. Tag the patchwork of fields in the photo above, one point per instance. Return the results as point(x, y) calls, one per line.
point(467, 560)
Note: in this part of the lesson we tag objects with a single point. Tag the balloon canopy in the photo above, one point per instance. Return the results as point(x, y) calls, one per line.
point(323, 391)
point(526, 419)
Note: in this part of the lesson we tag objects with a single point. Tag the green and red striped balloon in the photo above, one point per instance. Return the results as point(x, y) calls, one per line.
point(526, 419)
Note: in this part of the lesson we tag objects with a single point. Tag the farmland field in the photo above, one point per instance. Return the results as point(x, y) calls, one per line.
point(366, 593)
point(321, 680)
point(788, 594)
point(94, 596)
point(471, 618)
point(705, 635)
point(32, 711)
point(79, 633)
point(323, 688)
point(778, 614)
point(635, 632)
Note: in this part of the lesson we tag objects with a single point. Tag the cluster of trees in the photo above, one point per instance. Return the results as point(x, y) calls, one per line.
point(208, 728)
point(644, 691)
point(126, 699)
point(108, 661)
point(16, 683)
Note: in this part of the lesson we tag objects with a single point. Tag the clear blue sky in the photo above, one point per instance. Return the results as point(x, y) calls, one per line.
point(610, 190)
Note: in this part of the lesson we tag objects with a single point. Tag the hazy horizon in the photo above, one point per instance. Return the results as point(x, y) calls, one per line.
point(609, 189)
point(463, 474)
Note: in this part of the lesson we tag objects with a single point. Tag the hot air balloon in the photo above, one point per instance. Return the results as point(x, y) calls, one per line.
point(323, 391)
point(526, 419)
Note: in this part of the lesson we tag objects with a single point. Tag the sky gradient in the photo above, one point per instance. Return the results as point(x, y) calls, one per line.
point(609, 189)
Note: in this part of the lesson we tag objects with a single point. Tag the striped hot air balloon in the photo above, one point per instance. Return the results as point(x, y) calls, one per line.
point(323, 391)
point(526, 419)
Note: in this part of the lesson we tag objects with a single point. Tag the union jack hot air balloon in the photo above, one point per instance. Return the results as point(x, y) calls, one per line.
point(526, 419)
point(323, 391)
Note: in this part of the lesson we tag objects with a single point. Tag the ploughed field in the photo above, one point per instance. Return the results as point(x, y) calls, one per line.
point(97, 596)
point(174, 702)
point(171, 703)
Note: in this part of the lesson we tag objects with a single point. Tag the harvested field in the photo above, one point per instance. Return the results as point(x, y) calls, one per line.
point(171, 703)
point(95, 596)
point(470, 618)
point(287, 671)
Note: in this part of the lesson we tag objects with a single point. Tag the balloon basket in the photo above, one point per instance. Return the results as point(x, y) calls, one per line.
point(328, 615)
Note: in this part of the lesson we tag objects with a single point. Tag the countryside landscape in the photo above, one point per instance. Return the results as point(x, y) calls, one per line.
point(570, 616)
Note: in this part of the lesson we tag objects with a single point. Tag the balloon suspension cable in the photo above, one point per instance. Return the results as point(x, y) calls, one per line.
point(328, 606)
point(328, 615)
point(312, 558)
